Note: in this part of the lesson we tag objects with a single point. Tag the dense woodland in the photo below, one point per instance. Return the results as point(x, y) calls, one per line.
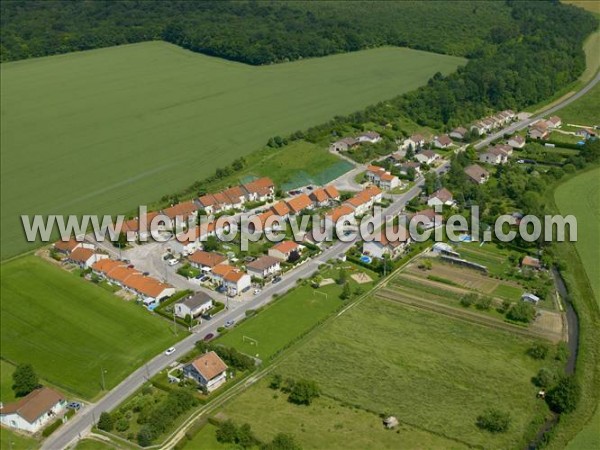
point(520, 52)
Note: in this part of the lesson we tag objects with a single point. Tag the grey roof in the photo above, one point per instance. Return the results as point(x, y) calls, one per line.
point(262, 263)
point(198, 299)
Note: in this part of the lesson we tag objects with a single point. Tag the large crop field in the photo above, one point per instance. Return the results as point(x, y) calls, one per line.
point(433, 372)
point(70, 330)
point(105, 130)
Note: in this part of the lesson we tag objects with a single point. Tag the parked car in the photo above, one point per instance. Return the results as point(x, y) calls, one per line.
point(229, 323)
point(170, 351)
point(204, 279)
point(256, 291)
point(209, 336)
point(276, 280)
point(172, 262)
point(74, 405)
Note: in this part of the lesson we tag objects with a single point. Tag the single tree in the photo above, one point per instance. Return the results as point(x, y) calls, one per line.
point(494, 421)
point(346, 292)
point(145, 436)
point(564, 397)
point(276, 381)
point(538, 351)
point(545, 378)
point(282, 441)
point(303, 392)
point(227, 432)
point(105, 422)
point(25, 380)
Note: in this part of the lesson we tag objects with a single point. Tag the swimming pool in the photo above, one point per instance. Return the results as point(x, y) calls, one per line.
point(366, 259)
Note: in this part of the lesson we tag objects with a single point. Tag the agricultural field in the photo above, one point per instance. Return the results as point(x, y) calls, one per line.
point(580, 196)
point(585, 111)
point(70, 330)
point(102, 131)
point(290, 317)
point(434, 373)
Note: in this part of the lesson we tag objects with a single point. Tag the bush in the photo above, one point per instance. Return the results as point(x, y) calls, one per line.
point(122, 424)
point(564, 397)
point(562, 352)
point(145, 436)
point(25, 380)
point(483, 303)
point(538, 351)
point(276, 381)
point(303, 392)
point(282, 441)
point(51, 428)
point(521, 312)
point(105, 422)
point(494, 421)
point(468, 299)
point(545, 378)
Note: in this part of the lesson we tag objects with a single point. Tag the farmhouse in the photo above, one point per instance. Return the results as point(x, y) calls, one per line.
point(441, 197)
point(206, 260)
point(299, 203)
point(33, 411)
point(427, 157)
point(516, 141)
point(209, 371)
point(193, 305)
point(344, 144)
point(231, 278)
point(459, 133)
point(371, 137)
point(264, 267)
point(85, 257)
point(380, 245)
point(71, 245)
point(442, 141)
point(477, 174)
point(284, 249)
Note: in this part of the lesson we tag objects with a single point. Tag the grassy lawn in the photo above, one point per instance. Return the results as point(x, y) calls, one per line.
point(169, 116)
point(432, 372)
point(70, 329)
point(6, 393)
point(288, 318)
point(584, 111)
point(206, 439)
point(580, 196)
point(325, 424)
point(92, 444)
point(508, 292)
point(10, 440)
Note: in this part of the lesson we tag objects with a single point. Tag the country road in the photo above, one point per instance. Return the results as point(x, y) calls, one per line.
point(83, 421)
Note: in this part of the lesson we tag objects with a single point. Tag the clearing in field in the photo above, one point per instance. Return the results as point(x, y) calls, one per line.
point(103, 131)
point(70, 330)
point(430, 371)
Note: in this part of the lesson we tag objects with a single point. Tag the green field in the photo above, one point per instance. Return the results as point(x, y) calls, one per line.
point(430, 371)
point(585, 111)
point(89, 444)
point(13, 441)
point(102, 131)
point(6, 393)
point(287, 319)
point(69, 329)
point(580, 196)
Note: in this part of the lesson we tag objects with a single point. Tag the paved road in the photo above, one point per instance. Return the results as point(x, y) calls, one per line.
point(517, 126)
point(83, 421)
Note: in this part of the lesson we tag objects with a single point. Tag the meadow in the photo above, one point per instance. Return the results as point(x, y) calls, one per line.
point(102, 131)
point(585, 111)
point(70, 330)
point(432, 372)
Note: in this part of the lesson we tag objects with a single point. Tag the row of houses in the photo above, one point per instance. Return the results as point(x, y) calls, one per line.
point(491, 123)
point(81, 253)
point(542, 128)
point(418, 141)
point(355, 206)
point(382, 178)
point(147, 288)
point(347, 143)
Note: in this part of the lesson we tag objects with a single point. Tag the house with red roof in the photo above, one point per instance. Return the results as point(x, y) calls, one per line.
point(262, 189)
point(206, 260)
point(299, 204)
point(392, 242)
point(234, 280)
point(284, 249)
point(67, 247)
point(208, 370)
point(85, 257)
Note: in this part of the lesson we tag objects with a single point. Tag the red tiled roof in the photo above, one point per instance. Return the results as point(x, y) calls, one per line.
point(280, 208)
point(299, 203)
point(339, 212)
point(285, 247)
point(208, 259)
point(106, 266)
point(260, 186)
point(399, 233)
point(81, 255)
point(66, 246)
point(319, 195)
point(183, 209)
point(332, 191)
point(209, 365)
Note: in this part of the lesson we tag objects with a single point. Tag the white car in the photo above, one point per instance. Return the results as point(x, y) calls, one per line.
point(170, 351)
point(172, 262)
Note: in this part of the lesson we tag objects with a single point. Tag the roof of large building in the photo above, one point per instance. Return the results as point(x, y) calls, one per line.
point(34, 404)
point(209, 365)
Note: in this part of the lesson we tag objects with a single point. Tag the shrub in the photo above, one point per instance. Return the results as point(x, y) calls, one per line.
point(564, 397)
point(145, 436)
point(51, 428)
point(105, 422)
point(122, 424)
point(468, 299)
point(303, 392)
point(494, 421)
point(282, 441)
point(544, 378)
point(25, 380)
point(562, 352)
point(521, 312)
point(484, 303)
point(227, 432)
point(276, 381)
point(538, 351)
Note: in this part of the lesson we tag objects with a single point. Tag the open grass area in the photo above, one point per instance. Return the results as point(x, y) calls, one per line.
point(6, 393)
point(206, 439)
point(289, 317)
point(580, 196)
point(430, 371)
point(585, 111)
point(69, 329)
point(92, 444)
point(9, 440)
point(325, 424)
point(102, 131)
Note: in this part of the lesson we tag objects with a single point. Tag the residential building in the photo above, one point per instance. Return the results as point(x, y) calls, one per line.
point(299, 204)
point(416, 141)
point(284, 249)
point(530, 298)
point(72, 244)
point(427, 157)
point(427, 219)
point(442, 197)
point(104, 267)
point(236, 196)
point(382, 178)
point(479, 128)
point(231, 278)
point(264, 267)
point(396, 158)
point(206, 260)
point(404, 168)
point(262, 189)
point(332, 192)
point(193, 305)
point(477, 174)
point(459, 133)
point(517, 141)
point(371, 137)
point(531, 262)
point(494, 155)
point(442, 141)
point(209, 371)
point(325, 196)
point(539, 130)
point(339, 214)
point(185, 212)
point(281, 209)
point(344, 144)
point(32, 412)
point(140, 229)
point(148, 289)
point(554, 122)
point(209, 203)
point(85, 257)
point(394, 243)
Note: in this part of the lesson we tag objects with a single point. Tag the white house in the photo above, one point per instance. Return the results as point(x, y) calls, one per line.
point(382, 178)
point(393, 243)
point(231, 278)
point(477, 174)
point(85, 257)
point(442, 141)
point(209, 371)
point(458, 133)
point(427, 157)
point(494, 156)
point(284, 249)
point(415, 142)
point(264, 267)
point(441, 197)
point(554, 122)
point(194, 305)
point(371, 137)
point(32, 412)
point(71, 245)
point(516, 141)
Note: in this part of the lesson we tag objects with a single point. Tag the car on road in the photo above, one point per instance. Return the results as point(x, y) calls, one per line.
point(74, 406)
point(229, 323)
point(170, 351)
point(172, 262)
point(276, 280)
point(204, 279)
point(209, 336)
point(256, 291)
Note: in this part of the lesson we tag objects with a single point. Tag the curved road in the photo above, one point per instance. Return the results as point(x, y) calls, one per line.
point(82, 422)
